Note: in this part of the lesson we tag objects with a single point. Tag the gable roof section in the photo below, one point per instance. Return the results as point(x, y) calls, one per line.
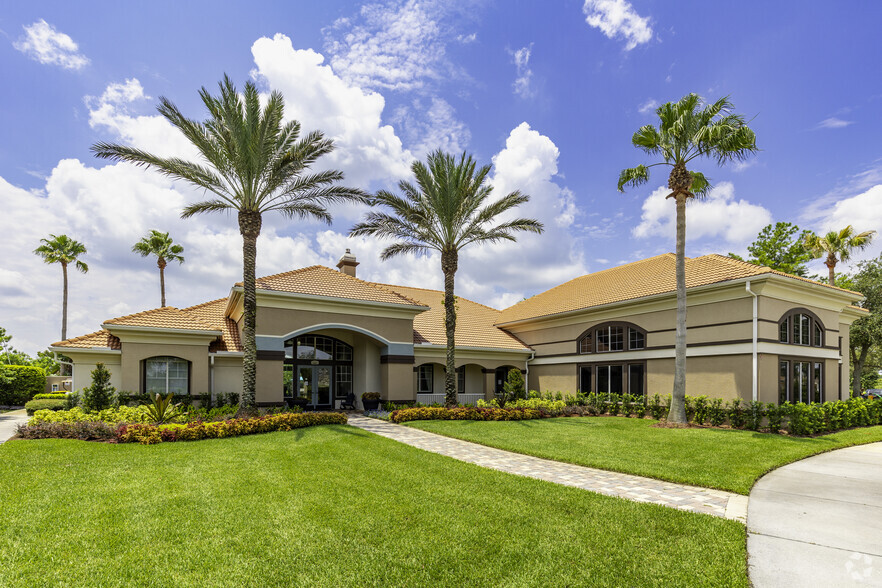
point(98, 340)
point(639, 279)
point(212, 313)
point(474, 322)
point(318, 280)
point(167, 317)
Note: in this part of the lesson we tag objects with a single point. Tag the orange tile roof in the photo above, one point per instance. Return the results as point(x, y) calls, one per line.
point(212, 313)
point(100, 339)
point(318, 280)
point(167, 317)
point(639, 279)
point(474, 324)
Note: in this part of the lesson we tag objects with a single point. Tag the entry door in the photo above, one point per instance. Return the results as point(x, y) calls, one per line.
point(314, 384)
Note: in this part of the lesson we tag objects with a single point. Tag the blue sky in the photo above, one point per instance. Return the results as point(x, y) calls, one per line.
point(548, 92)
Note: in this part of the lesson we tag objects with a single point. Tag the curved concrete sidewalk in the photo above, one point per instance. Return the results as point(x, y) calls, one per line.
point(639, 489)
point(9, 421)
point(818, 522)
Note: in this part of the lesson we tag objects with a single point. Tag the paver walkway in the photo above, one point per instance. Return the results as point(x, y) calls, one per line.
point(818, 522)
point(637, 488)
point(9, 421)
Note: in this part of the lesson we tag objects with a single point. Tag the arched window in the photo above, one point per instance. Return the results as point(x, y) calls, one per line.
point(801, 327)
point(318, 370)
point(609, 337)
point(166, 375)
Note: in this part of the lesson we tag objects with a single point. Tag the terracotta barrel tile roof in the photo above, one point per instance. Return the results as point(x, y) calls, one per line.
point(212, 313)
point(318, 280)
point(647, 277)
point(474, 324)
point(167, 317)
point(100, 339)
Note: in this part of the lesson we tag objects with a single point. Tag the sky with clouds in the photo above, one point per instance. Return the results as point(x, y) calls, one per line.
point(549, 93)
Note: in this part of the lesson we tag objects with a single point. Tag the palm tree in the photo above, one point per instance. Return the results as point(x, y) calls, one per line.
point(688, 129)
point(64, 250)
point(252, 163)
point(837, 246)
point(445, 211)
point(162, 246)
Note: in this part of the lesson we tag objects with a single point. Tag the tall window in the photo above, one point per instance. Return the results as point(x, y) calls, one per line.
point(166, 375)
point(800, 380)
point(612, 337)
point(460, 379)
point(801, 328)
point(425, 378)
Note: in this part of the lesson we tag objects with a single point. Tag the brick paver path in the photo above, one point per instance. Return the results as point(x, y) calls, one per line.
point(639, 489)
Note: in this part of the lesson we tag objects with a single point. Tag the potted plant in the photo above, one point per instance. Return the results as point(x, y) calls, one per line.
point(371, 400)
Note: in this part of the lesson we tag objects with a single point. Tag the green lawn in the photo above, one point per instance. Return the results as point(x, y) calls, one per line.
point(714, 458)
point(329, 506)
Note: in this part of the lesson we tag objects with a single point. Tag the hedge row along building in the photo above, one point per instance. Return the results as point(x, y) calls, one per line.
point(753, 333)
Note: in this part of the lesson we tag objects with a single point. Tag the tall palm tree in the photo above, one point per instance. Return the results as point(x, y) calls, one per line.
point(688, 129)
point(837, 246)
point(447, 210)
point(163, 247)
point(64, 250)
point(252, 162)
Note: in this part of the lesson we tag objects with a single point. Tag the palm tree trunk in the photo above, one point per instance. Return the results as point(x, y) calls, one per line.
point(161, 263)
point(64, 303)
point(831, 266)
point(677, 412)
point(449, 262)
point(249, 227)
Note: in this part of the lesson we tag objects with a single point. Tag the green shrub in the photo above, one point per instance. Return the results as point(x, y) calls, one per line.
point(45, 404)
point(776, 415)
point(513, 388)
point(464, 414)
point(638, 406)
point(85, 431)
point(72, 400)
point(161, 410)
point(100, 394)
point(755, 412)
point(150, 434)
point(716, 412)
point(737, 416)
point(657, 409)
point(50, 396)
point(122, 414)
point(805, 419)
point(700, 406)
point(612, 404)
point(20, 383)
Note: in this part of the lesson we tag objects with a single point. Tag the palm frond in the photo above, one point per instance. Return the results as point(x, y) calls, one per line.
point(633, 176)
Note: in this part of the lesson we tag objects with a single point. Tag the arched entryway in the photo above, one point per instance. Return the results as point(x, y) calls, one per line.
point(318, 370)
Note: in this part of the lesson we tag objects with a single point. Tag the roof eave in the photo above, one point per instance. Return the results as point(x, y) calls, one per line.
point(133, 328)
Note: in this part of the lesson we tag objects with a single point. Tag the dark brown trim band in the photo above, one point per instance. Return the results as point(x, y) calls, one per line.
point(270, 355)
point(406, 359)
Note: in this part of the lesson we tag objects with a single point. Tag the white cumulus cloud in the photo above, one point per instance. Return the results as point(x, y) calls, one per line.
point(617, 19)
point(43, 43)
point(719, 218)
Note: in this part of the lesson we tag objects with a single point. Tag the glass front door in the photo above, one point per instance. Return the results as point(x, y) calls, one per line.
point(314, 384)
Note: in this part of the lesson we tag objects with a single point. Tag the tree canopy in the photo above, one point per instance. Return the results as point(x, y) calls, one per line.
point(780, 247)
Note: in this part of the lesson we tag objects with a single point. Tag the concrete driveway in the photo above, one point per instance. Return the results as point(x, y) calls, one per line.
point(9, 421)
point(818, 522)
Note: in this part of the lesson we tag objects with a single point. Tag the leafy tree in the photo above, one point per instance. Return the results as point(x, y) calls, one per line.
point(64, 250)
point(513, 388)
point(162, 246)
point(865, 335)
point(99, 395)
point(779, 247)
point(253, 163)
point(447, 210)
point(46, 360)
point(837, 246)
point(688, 129)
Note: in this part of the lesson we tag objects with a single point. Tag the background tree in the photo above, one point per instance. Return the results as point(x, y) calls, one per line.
point(64, 250)
point(162, 246)
point(781, 247)
point(447, 210)
point(837, 246)
point(252, 163)
point(865, 336)
point(688, 129)
point(9, 355)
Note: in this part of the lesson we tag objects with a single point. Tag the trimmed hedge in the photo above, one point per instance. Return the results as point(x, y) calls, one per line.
point(150, 434)
point(20, 383)
point(466, 413)
point(51, 396)
point(84, 431)
point(47, 404)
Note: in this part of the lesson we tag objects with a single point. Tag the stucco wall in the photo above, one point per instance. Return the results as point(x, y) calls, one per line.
point(269, 388)
point(84, 363)
point(134, 353)
point(227, 375)
point(281, 321)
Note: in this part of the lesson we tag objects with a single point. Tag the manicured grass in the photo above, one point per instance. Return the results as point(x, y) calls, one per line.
point(714, 458)
point(330, 506)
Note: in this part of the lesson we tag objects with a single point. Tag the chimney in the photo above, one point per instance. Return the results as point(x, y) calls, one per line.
point(347, 264)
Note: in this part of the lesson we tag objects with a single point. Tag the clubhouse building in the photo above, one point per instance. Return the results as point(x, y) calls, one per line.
point(753, 333)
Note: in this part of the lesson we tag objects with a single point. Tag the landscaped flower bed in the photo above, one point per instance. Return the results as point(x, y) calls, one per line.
point(148, 434)
point(795, 419)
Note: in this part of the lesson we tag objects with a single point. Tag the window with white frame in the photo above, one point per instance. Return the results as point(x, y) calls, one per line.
point(425, 378)
point(166, 375)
